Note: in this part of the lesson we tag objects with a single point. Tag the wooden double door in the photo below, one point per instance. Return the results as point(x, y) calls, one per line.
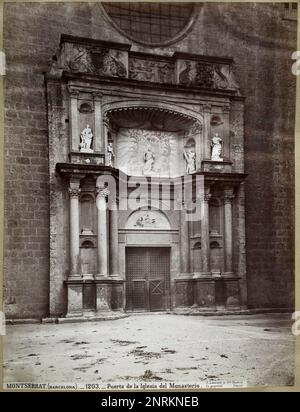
point(147, 278)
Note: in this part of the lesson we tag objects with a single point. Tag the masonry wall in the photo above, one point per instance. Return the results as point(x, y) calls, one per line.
point(260, 42)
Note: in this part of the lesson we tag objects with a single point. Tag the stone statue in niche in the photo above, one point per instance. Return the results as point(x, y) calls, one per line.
point(149, 159)
point(216, 148)
point(110, 155)
point(190, 158)
point(86, 137)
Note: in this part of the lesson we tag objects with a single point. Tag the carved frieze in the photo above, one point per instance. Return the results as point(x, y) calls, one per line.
point(79, 58)
point(151, 70)
point(109, 62)
point(206, 75)
point(116, 60)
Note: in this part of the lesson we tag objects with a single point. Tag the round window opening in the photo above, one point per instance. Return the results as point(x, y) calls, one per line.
point(152, 24)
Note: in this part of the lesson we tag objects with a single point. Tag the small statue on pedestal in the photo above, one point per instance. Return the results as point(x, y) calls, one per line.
point(86, 137)
point(216, 148)
point(110, 155)
point(190, 157)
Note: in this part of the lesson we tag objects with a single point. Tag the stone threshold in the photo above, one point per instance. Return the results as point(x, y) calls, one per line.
point(120, 315)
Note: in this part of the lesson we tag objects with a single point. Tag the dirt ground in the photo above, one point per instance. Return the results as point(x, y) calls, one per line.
point(154, 347)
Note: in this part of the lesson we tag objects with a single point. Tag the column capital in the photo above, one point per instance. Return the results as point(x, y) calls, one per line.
point(207, 197)
point(102, 192)
point(228, 197)
point(74, 192)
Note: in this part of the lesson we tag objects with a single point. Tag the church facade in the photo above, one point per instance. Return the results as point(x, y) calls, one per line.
point(155, 152)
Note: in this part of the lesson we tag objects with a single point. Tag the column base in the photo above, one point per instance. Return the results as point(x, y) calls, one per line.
point(75, 298)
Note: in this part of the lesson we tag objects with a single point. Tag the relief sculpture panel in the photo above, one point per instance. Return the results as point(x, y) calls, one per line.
point(143, 152)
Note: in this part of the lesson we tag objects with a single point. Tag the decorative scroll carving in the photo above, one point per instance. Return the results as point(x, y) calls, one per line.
point(150, 70)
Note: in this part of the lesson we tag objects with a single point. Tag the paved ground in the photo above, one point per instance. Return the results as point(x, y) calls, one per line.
point(154, 347)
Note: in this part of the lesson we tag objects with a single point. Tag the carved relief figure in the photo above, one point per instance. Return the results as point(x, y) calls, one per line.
point(216, 148)
point(149, 159)
point(142, 70)
point(80, 60)
point(145, 221)
point(220, 80)
point(86, 140)
point(185, 75)
point(112, 64)
point(110, 154)
point(190, 157)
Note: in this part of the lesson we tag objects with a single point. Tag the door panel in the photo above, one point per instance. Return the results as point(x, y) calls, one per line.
point(147, 278)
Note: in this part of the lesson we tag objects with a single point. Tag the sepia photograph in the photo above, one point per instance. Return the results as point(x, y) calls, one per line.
point(149, 195)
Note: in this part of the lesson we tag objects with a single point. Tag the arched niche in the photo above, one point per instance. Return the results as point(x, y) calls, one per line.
point(147, 220)
point(150, 141)
point(87, 214)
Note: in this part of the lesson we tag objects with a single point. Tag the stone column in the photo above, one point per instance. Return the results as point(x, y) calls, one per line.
point(228, 197)
point(102, 249)
point(75, 134)
point(74, 281)
point(184, 243)
point(74, 192)
point(206, 131)
point(98, 129)
point(114, 240)
point(205, 241)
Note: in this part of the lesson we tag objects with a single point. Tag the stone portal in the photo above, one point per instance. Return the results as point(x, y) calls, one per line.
point(147, 196)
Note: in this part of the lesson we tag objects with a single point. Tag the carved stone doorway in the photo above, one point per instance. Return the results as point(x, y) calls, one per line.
point(147, 278)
